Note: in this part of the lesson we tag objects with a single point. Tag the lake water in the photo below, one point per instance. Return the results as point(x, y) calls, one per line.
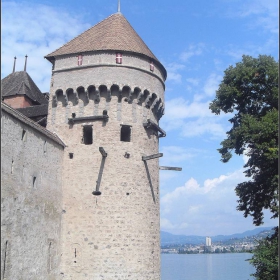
point(206, 266)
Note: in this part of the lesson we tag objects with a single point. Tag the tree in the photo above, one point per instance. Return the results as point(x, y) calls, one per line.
point(249, 92)
point(265, 258)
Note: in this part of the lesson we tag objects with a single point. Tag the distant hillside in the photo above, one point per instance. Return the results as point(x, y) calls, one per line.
point(168, 238)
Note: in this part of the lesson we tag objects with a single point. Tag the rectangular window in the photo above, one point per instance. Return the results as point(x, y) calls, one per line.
point(126, 133)
point(80, 60)
point(118, 58)
point(87, 135)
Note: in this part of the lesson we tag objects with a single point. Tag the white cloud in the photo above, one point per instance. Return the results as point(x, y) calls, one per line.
point(179, 108)
point(193, 50)
point(264, 13)
point(194, 118)
point(203, 126)
point(37, 35)
point(261, 15)
point(193, 81)
point(207, 209)
point(172, 70)
point(210, 87)
point(202, 209)
point(175, 154)
point(164, 223)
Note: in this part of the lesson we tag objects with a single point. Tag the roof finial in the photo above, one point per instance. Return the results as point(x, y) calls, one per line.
point(14, 68)
point(25, 63)
point(119, 6)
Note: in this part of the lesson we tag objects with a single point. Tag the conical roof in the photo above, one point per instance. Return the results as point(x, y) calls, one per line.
point(20, 83)
point(113, 33)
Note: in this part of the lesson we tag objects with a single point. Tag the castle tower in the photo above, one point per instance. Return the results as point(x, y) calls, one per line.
point(106, 100)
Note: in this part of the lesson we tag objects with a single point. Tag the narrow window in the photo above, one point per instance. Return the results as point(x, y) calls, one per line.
point(118, 58)
point(71, 155)
point(34, 181)
point(12, 167)
point(80, 60)
point(152, 67)
point(50, 257)
point(87, 137)
point(125, 133)
point(45, 147)
point(75, 253)
point(5, 259)
point(23, 135)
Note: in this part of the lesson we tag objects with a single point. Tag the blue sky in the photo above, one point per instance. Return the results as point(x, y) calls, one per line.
point(196, 41)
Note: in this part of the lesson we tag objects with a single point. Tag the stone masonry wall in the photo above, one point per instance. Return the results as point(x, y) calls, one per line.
point(30, 202)
point(114, 235)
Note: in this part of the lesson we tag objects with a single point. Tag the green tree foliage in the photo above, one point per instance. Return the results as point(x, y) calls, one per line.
point(249, 92)
point(265, 258)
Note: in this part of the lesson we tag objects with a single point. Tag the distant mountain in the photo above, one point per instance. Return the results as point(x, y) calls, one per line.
point(168, 238)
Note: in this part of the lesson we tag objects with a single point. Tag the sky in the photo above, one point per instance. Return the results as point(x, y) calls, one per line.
point(196, 41)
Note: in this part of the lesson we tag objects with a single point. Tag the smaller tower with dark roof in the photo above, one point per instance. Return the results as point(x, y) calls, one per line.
point(20, 92)
point(106, 100)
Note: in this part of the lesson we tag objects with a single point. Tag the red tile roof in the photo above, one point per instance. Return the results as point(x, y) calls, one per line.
point(113, 33)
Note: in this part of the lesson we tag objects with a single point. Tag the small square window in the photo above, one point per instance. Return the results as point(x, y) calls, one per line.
point(87, 135)
point(126, 133)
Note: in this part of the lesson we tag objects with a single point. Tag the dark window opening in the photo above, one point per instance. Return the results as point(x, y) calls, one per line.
point(87, 138)
point(23, 135)
point(75, 255)
point(34, 181)
point(125, 133)
point(12, 167)
point(71, 155)
point(45, 147)
point(5, 259)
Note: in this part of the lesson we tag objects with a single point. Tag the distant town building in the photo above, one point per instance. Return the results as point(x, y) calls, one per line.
point(208, 241)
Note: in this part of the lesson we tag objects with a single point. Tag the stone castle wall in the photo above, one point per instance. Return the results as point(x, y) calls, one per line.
point(30, 202)
point(114, 235)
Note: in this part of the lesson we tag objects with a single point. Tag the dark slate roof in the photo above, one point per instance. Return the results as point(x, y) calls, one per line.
point(34, 111)
point(15, 113)
point(113, 33)
point(20, 83)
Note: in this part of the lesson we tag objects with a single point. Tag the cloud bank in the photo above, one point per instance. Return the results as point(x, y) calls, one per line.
point(36, 36)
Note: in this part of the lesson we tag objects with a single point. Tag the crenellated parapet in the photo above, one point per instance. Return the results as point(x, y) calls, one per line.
point(93, 94)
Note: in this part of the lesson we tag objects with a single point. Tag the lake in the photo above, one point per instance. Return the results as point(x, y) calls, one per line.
point(206, 266)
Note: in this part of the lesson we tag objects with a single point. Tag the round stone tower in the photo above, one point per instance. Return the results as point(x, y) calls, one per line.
point(107, 96)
